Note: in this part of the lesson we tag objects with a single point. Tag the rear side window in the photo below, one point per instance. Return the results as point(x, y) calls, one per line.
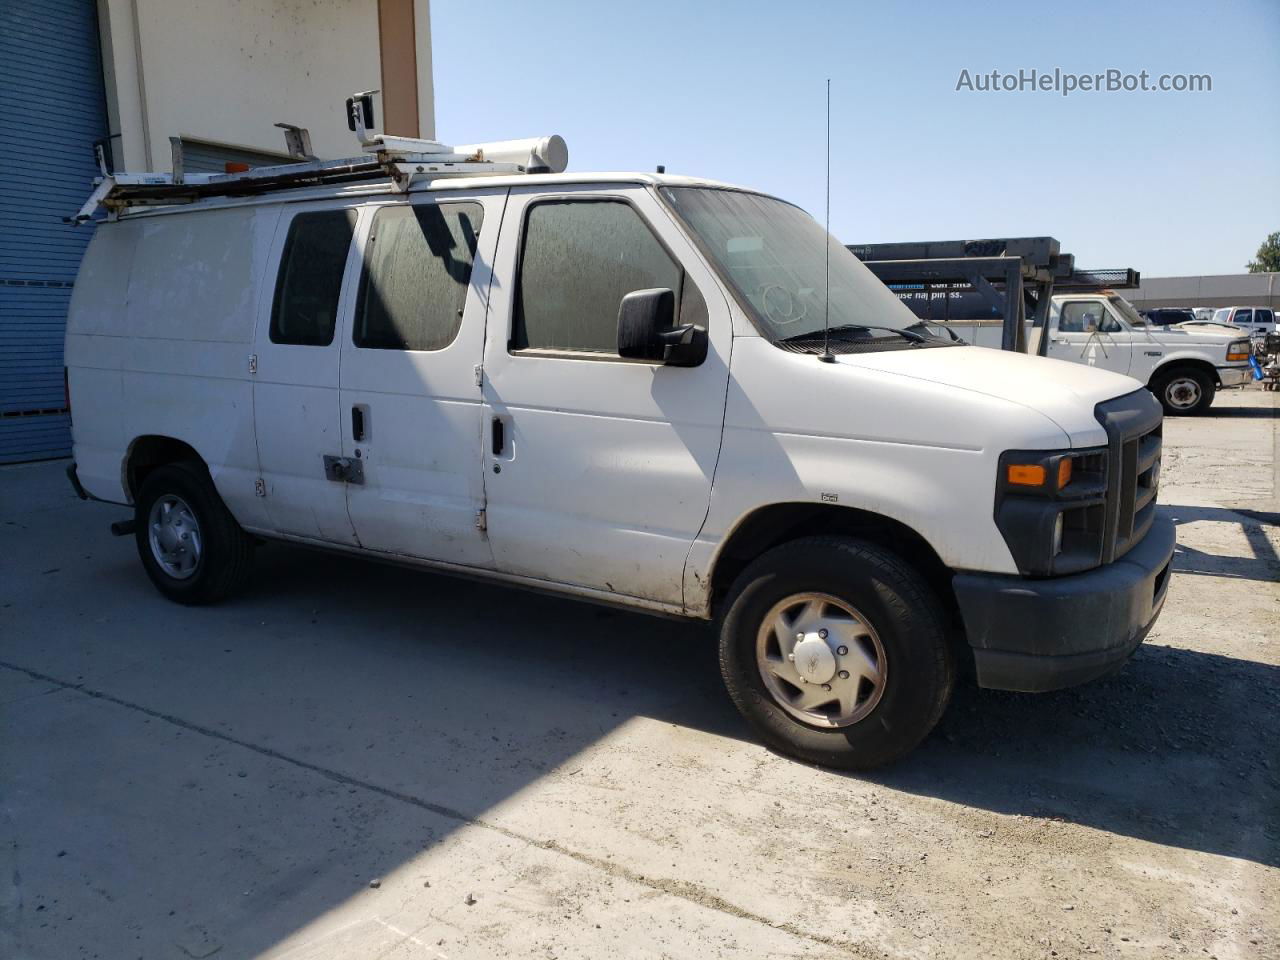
point(1264, 316)
point(579, 259)
point(311, 268)
point(417, 270)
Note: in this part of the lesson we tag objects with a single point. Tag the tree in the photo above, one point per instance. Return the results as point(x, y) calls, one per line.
point(1268, 256)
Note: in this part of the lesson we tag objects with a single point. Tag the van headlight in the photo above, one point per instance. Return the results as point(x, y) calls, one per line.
point(1050, 506)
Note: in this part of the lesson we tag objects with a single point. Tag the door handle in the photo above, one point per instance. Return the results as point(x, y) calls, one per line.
point(357, 424)
point(499, 436)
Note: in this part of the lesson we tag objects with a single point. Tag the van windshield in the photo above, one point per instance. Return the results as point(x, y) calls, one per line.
point(772, 254)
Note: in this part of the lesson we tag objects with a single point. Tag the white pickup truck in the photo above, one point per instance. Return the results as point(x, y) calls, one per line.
point(617, 387)
point(1182, 367)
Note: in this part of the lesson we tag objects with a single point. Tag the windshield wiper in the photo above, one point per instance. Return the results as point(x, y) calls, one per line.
point(927, 327)
point(910, 335)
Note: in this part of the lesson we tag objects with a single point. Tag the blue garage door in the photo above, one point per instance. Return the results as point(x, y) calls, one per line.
point(52, 111)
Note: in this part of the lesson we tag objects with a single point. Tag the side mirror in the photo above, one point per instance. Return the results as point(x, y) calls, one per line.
point(645, 331)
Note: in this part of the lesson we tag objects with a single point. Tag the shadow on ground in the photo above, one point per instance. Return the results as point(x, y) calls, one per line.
point(1223, 408)
point(1263, 566)
point(343, 717)
point(1170, 750)
point(1177, 749)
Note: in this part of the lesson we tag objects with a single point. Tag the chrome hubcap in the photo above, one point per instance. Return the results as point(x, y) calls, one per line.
point(821, 660)
point(1182, 393)
point(174, 535)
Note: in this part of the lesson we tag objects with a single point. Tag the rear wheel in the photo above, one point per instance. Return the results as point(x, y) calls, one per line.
point(835, 651)
point(191, 547)
point(1184, 391)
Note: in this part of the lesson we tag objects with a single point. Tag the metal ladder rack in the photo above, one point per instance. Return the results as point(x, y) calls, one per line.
point(400, 160)
point(1013, 277)
point(1082, 280)
point(118, 192)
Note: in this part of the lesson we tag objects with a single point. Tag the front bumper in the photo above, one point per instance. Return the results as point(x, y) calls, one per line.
point(1234, 376)
point(1036, 635)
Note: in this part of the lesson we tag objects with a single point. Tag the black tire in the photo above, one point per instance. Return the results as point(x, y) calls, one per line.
point(1184, 391)
point(226, 552)
point(890, 596)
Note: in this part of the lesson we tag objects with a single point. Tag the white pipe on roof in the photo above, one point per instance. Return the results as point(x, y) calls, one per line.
point(551, 152)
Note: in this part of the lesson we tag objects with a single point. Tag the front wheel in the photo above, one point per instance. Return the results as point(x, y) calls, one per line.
point(835, 651)
point(1184, 392)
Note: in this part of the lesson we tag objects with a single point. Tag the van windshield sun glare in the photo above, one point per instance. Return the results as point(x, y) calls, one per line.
point(772, 255)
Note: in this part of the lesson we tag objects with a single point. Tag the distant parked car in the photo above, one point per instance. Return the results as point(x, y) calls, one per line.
point(1168, 316)
point(1257, 320)
point(1203, 313)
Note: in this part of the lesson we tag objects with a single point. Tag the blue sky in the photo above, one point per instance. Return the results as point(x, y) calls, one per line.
point(1168, 183)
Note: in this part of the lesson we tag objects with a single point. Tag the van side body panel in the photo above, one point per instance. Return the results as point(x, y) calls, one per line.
point(618, 479)
point(95, 353)
point(604, 474)
point(853, 436)
point(171, 356)
point(296, 412)
point(421, 411)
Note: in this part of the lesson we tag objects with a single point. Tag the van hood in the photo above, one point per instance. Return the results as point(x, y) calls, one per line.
point(1064, 392)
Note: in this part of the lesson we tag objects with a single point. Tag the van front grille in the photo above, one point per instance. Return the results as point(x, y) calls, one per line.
point(1134, 427)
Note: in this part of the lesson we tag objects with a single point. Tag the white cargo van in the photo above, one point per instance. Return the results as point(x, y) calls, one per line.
point(1257, 321)
point(1183, 366)
point(617, 387)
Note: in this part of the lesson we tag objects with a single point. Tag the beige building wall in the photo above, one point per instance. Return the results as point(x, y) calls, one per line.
point(1222, 290)
point(225, 71)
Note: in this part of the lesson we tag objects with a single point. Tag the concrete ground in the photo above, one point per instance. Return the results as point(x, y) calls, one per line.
point(357, 761)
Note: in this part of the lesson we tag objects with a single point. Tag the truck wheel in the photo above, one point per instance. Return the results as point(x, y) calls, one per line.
point(191, 547)
point(1184, 392)
point(835, 651)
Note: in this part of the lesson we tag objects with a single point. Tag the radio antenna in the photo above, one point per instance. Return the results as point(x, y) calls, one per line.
point(826, 356)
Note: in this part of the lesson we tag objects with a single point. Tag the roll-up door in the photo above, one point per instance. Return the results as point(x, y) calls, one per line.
point(51, 75)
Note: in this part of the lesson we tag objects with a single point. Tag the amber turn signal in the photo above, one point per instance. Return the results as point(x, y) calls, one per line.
point(1025, 475)
point(1064, 472)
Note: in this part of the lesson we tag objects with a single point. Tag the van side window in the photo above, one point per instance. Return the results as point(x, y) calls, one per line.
point(311, 267)
point(579, 259)
point(417, 270)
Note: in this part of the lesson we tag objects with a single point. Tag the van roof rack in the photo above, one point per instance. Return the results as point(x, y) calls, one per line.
point(400, 160)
